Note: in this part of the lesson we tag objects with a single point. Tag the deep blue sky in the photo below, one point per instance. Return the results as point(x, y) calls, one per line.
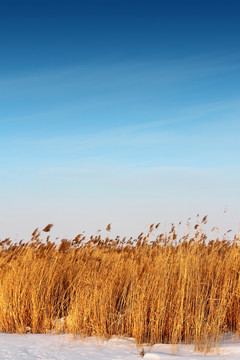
point(118, 111)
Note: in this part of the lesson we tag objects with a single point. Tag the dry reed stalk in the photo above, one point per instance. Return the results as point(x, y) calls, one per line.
point(169, 290)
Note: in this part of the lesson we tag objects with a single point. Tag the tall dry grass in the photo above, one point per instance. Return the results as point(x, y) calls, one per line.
point(168, 290)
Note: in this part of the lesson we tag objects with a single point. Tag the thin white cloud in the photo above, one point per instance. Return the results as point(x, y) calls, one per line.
point(106, 76)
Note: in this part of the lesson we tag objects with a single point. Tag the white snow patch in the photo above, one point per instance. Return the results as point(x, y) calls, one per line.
point(62, 347)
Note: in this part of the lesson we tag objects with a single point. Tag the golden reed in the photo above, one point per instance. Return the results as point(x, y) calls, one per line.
point(167, 290)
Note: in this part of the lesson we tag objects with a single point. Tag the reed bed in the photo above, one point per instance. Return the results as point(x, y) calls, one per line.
point(167, 290)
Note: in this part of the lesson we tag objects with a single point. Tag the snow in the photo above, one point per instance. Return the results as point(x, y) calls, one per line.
point(62, 347)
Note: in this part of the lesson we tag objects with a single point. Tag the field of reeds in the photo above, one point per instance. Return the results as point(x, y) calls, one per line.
point(156, 289)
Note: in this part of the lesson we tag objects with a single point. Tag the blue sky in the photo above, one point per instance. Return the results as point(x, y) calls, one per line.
point(118, 111)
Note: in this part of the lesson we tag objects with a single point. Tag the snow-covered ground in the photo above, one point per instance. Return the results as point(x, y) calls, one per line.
point(61, 347)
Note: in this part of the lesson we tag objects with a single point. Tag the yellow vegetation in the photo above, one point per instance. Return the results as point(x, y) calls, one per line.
point(168, 290)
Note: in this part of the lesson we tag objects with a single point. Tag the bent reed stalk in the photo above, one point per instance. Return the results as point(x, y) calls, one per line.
point(168, 290)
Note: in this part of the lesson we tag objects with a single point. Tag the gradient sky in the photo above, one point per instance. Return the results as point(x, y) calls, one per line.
point(118, 111)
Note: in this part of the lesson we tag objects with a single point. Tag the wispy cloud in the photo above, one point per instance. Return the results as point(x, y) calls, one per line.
point(109, 76)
